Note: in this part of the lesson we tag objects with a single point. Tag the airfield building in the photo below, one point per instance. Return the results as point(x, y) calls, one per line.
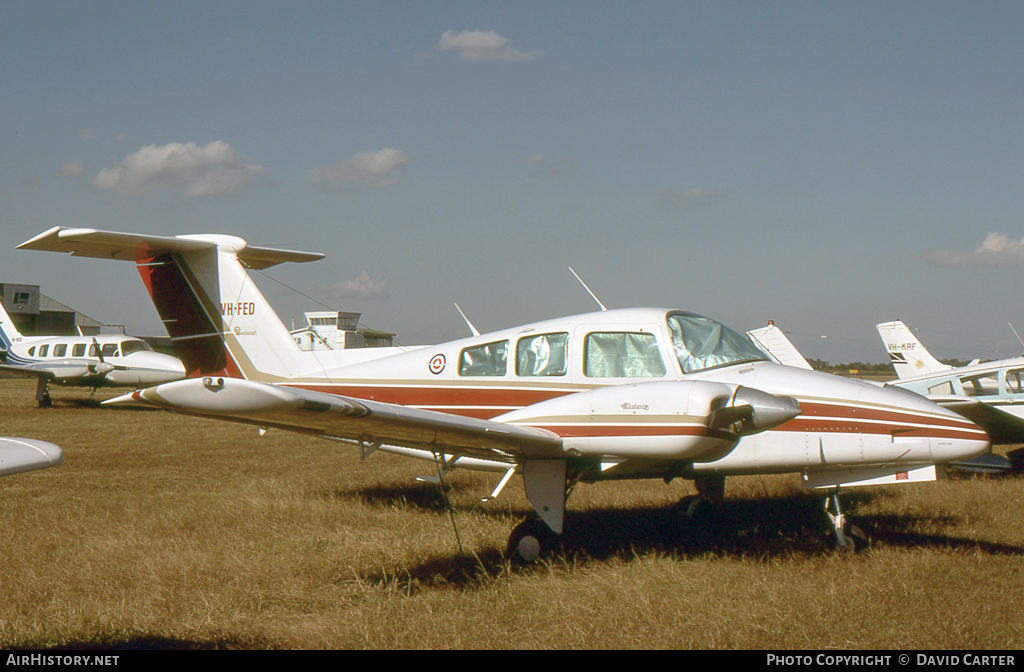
point(35, 313)
point(330, 330)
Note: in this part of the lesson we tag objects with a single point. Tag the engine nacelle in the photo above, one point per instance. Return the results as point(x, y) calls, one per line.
point(683, 420)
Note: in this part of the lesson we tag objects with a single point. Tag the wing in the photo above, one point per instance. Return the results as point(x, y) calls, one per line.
point(359, 421)
point(1002, 427)
point(18, 455)
point(27, 371)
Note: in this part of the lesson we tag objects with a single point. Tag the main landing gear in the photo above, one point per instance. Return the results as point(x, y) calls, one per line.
point(43, 393)
point(547, 489)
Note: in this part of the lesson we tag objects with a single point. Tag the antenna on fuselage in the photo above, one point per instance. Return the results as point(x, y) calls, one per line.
point(1015, 333)
point(592, 295)
point(468, 323)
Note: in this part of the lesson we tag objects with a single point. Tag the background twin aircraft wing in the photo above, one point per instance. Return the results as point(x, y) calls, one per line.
point(360, 421)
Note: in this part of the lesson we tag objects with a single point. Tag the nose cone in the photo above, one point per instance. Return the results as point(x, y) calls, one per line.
point(18, 455)
point(156, 367)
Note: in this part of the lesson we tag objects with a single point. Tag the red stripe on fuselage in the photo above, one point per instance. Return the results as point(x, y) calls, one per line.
point(817, 417)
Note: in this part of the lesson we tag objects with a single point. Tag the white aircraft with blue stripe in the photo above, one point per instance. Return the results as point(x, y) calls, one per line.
point(104, 360)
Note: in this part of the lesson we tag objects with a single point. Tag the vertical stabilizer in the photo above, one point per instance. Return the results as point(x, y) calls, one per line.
point(909, 358)
point(216, 316)
point(776, 345)
point(8, 332)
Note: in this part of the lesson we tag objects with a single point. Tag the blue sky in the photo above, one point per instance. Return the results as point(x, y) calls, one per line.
point(824, 165)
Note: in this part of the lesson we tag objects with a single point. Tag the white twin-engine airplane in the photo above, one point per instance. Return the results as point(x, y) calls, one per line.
point(616, 394)
point(83, 361)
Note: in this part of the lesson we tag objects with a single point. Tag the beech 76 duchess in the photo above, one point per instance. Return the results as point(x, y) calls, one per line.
point(105, 360)
point(616, 394)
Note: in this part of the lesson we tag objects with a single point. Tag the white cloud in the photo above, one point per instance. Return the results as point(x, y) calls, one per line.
point(996, 250)
point(687, 199)
point(540, 165)
point(215, 168)
point(363, 286)
point(365, 169)
point(70, 169)
point(483, 45)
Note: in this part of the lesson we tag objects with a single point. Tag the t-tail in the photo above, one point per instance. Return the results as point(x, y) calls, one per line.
point(218, 320)
point(908, 356)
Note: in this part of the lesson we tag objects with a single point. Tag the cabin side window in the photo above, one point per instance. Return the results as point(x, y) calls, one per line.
point(490, 359)
point(60, 349)
point(44, 349)
point(622, 355)
point(93, 350)
point(1015, 381)
point(78, 350)
point(32, 351)
point(942, 388)
point(109, 349)
point(543, 355)
point(980, 385)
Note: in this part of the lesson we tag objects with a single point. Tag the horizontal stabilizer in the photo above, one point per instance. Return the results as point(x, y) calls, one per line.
point(135, 246)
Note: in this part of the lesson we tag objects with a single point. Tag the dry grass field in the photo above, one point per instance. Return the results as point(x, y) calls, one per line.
point(162, 531)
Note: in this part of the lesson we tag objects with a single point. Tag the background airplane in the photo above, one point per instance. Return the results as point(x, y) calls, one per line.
point(18, 455)
point(1002, 428)
point(991, 393)
point(616, 394)
point(104, 360)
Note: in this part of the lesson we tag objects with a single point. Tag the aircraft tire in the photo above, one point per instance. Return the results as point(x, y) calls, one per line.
point(530, 540)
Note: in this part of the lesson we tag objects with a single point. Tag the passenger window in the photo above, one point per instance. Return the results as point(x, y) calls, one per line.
point(78, 350)
point(60, 349)
point(109, 349)
point(484, 360)
point(93, 350)
point(32, 351)
point(543, 355)
point(43, 349)
point(1015, 381)
point(981, 385)
point(941, 388)
point(622, 355)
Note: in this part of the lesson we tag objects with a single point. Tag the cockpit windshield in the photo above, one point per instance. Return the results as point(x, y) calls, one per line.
point(701, 343)
point(128, 347)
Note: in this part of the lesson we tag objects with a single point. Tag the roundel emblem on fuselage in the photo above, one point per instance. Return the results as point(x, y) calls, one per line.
point(436, 364)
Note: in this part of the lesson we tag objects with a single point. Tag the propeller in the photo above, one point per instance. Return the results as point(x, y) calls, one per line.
point(104, 367)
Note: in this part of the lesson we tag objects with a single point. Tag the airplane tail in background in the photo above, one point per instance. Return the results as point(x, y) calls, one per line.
point(8, 332)
point(218, 320)
point(776, 345)
point(909, 357)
